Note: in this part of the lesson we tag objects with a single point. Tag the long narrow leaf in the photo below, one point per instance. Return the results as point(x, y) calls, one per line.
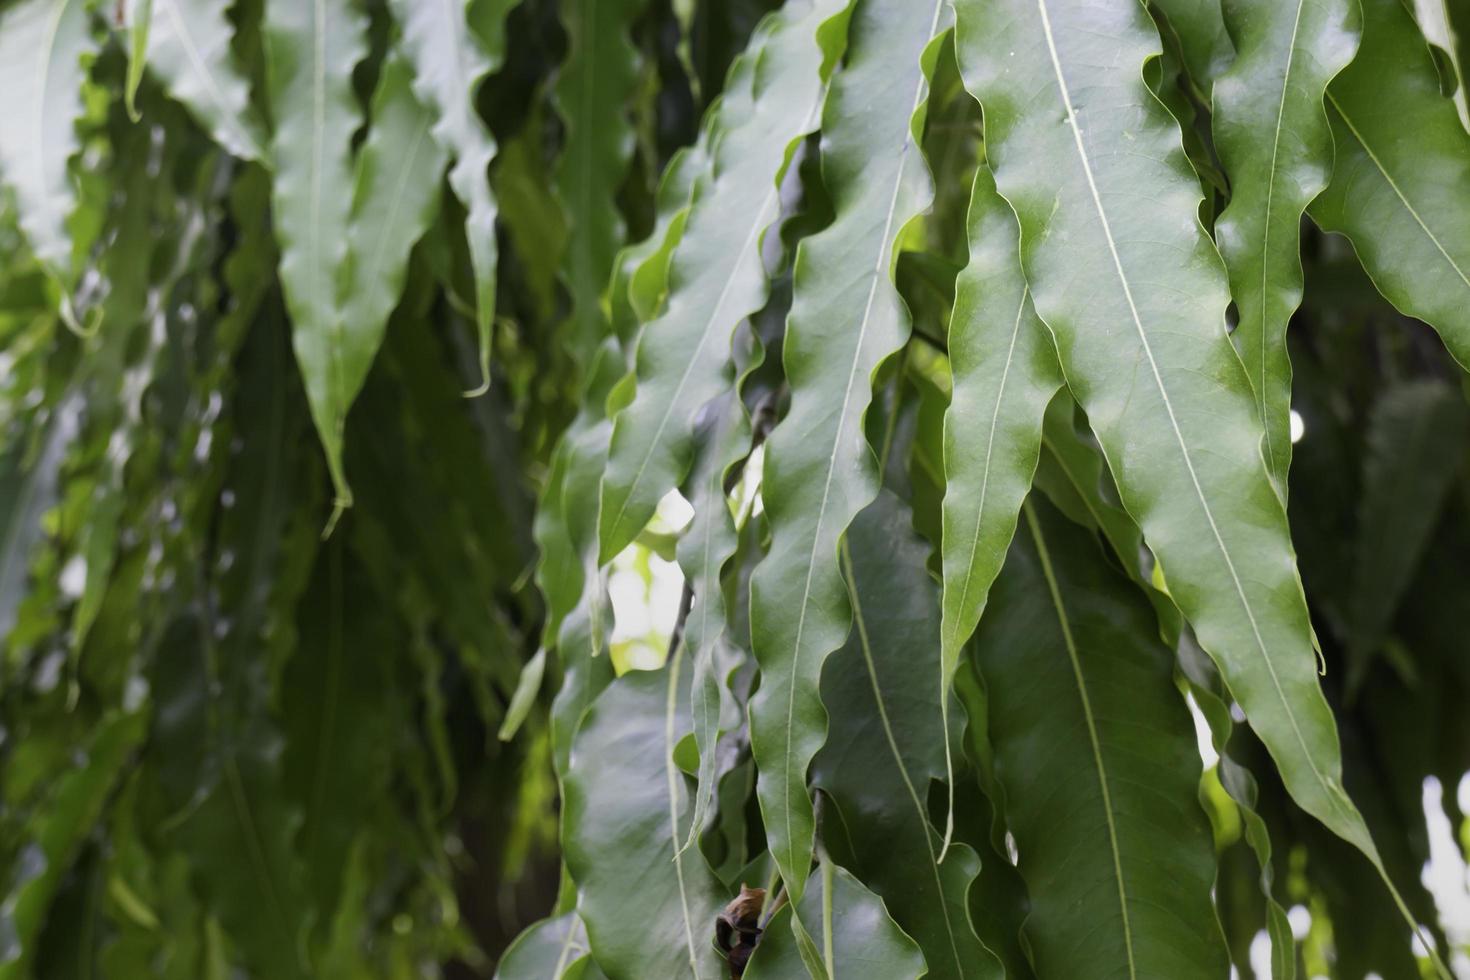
point(453, 45)
point(1288, 54)
point(312, 48)
point(846, 318)
point(1133, 291)
point(1106, 818)
point(716, 275)
point(886, 744)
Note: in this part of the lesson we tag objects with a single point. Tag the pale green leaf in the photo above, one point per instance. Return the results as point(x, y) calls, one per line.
point(716, 276)
point(42, 46)
point(452, 45)
point(1272, 136)
point(312, 48)
point(846, 319)
point(187, 45)
point(395, 198)
point(1402, 176)
point(545, 950)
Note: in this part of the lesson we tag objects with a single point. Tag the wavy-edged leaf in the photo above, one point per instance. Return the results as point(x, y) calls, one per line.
point(453, 45)
point(886, 742)
point(846, 318)
point(1005, 373)
point(42, 44)
point(1273, 138)
point(312, 47)
point(592, 91)
point(186, 43)
point(716, 275)
point(395, 198)
point(708, 543)
point(857, 938)
point(648, 904)
point(1096, 753)
point(1134, 293)
point(1409, 466)
point(1402, 176)
point(1075, 478)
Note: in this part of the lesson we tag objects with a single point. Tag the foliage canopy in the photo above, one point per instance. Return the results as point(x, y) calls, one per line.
point(361, 359)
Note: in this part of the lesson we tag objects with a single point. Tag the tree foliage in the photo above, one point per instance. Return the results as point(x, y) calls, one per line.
point(1040, 430)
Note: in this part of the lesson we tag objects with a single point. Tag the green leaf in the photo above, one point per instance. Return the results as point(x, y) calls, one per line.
point(312, 48)
point(524, 697)
point(707, 545)
point(592, 91)
point(1134, 293)
point(1408, 470)
point(453, 45)
point(545, 950)
point(846, 319)
point(1402, 176)
point(1005, 372)
point(1097, 757)
point(716, 275)
point(42, 45)
point(187, 45)
point(1272, 135)
point(859, 940)
point(395, 198)
point(30, 470)
point(886, 743)
point(649, 905)
point(1203, 37)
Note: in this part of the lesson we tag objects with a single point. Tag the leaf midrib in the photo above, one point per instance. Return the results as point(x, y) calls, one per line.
point(806, 590)
point(1403, 198)
point(903, 771)
point(1094, 741)
point(1174, 422)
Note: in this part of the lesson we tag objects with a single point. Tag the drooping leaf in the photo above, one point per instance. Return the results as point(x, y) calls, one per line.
point(1408, 469)
point(1105, 818)
point(716, 275)
point(1005, 373)
point(846, 318)
point(649, 905)
point(395, 197)
point(1275, 89)
point(312, 48)
point(187, 45)
point(1134, 293)
point(452, 45)
point(1402, 175)
point(854, 937)
point(886, 743)
point(592, 92)
point(42, 44)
